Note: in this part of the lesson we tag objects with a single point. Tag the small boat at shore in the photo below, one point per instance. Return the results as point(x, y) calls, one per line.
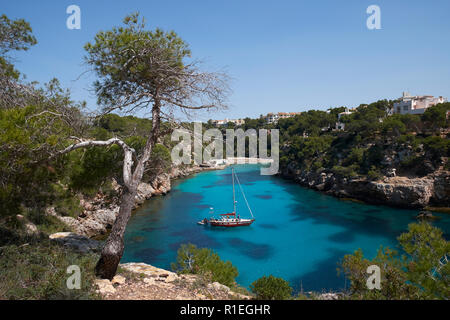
point(231, 219)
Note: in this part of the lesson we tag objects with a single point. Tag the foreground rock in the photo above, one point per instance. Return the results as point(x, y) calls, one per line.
point(329, 296)
point(140, 281)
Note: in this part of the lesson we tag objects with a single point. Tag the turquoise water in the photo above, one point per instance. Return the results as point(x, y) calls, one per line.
point(299, 234)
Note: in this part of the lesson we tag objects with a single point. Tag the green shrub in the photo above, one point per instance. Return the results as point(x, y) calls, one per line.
point(271, 288)
point(374, 174)
point(421, 273)
point(37, 270)
point(437, 147)
point(411, 162)
point(354, 157)
point(348, 172)
point(206, 263)
point(46, 223)
point(436, 116)
point(69, 206)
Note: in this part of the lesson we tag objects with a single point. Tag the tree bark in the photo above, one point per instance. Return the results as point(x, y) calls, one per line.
point(106, 267)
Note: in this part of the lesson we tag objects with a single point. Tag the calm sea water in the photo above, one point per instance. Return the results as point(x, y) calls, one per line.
point(299, 234)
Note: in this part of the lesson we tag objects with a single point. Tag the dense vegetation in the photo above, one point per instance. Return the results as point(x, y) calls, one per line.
point(37, 269)
point(372, 144)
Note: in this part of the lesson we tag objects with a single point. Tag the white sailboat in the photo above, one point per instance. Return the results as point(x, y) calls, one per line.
point(231, 219)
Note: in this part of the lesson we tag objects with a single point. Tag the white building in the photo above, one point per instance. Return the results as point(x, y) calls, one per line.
point(238, 122)
point(274, 117)
point(340, 126)
point(416, 104)
point(345, 113)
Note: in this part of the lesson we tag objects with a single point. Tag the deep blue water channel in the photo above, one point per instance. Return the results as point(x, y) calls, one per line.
point(299, 234)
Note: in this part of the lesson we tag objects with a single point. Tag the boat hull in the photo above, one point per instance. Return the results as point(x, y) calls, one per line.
point(231, 224)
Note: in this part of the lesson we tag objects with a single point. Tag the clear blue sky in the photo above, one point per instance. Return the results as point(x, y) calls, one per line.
point(283, 55)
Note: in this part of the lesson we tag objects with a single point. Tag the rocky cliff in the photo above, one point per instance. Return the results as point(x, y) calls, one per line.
point(430, 190)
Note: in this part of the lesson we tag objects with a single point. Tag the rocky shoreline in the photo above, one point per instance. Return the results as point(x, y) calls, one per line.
point(99, 213)
point(413, 193)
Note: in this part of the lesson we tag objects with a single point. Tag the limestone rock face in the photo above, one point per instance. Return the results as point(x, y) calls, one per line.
point(105, 286)
point(93, 223)
point(433, 189)
point(118, 279)
point(75, 241)
point(441, 189)
point(218, 287)
point(396, 191)
point(144, 192)
point(161, 184)
point(150, 271)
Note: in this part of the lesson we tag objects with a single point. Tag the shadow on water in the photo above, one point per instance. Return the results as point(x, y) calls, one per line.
point(252, 250)
point(267, 226)
point(263, 196)
point(196, 236)
point(149, 255)
point(342, 237)
point(355, 221)
point(324, 275)
point(151, 229)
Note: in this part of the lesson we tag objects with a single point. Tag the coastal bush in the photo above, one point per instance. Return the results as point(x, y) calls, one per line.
point(271, 288)
point(436, 116)
point(427, 264)
point(354, 157)
point(92, 167)
point(374, 174)
point(393, 126)
point(437, 147)
point(348, 172)
point(394, 284)
point(205, 262)
point(37, 270)
point(44, 222)
point(160, 160)
point(421, 273)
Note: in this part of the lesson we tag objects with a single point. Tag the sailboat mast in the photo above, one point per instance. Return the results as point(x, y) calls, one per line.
point(234, 196)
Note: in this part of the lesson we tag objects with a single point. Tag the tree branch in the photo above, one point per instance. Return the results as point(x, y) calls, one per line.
point(128, 153)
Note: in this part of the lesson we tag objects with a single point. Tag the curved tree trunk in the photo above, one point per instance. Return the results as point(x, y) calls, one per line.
point(112, 252)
